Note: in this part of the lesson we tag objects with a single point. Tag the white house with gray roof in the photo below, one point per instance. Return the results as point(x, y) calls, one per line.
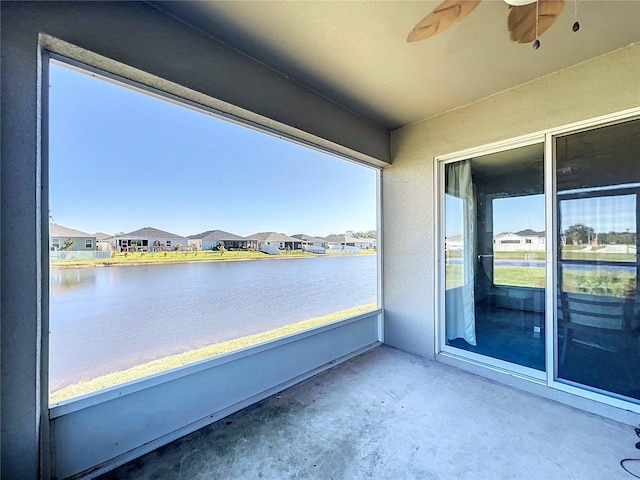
point(69, 239)
point(523, 241)
point(366, 243)
point(148, 239)
point(343, 243)
point(312, 244)
point(210, 239)
point(273, 242)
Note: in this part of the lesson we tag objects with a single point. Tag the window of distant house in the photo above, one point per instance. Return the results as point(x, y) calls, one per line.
point(164, 171)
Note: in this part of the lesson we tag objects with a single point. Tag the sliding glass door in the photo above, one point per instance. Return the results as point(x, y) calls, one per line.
point(560, 217)
point(598, 199)
point(495, 255)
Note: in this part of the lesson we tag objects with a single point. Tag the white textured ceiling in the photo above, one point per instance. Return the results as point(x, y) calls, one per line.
point(355, 52)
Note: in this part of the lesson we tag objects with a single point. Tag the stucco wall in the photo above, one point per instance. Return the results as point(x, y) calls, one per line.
point(600, 86)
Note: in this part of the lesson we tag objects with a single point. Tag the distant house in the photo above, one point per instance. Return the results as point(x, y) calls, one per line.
point(312, 244)
point(148, 239)
point(209, 240)
point(343, 243)
point(272, 242)
point(366, 243)
point(454, 242)
point(523, 241)
point(103, 242)
point(64, 238)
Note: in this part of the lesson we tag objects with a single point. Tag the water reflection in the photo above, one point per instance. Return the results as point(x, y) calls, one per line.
point(71, 278)
point(108, 319)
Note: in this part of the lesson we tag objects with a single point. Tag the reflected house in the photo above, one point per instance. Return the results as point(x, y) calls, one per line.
point(454, 242)
point(69, 239)
point(103, 242)
point(312, 244)
point(148, 239)
point(210, 239)
point(523, 241)
point(272, 242)
point(367, 243)
point(343, 243)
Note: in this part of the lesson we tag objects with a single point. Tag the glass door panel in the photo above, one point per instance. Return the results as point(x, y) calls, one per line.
point(598, 187)
point(495, 256)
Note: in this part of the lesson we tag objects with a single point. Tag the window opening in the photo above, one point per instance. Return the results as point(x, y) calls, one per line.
point(201, 222)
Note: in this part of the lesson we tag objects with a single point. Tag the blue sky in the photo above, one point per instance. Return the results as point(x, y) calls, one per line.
point(122, 160)
point(614, 213)
point(512, 214)
point(515, 214)
point(608, 213)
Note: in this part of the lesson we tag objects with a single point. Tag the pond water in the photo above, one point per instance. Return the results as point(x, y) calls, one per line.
point(108, 319)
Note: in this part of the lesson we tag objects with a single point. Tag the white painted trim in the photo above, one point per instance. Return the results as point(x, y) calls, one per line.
point(438, 215)
point(494, 363)
point(379, 253)
point(550, 318)
point(586, 392)
point(495, 147)
point(596, 122)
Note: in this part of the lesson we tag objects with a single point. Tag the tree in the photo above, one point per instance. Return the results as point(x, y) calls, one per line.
point(67, 244)
point(367, 234)
point(579, 234)
point(221, 247)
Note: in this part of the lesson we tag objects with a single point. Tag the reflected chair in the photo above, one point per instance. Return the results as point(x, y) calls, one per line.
point(597, 321)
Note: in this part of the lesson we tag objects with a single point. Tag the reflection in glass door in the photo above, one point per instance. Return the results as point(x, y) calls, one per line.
point(495, 256)
point(598, 191)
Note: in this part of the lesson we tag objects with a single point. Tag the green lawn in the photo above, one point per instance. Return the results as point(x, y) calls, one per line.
point(181, 359)
point(596, 282)
point(595, 256)
point(453, 275)
point(519, 276)
point(135, 258)
point(519, 255)
point(614, 284)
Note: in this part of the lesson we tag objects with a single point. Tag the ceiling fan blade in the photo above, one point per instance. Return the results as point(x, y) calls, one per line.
point(522, 20)
point(445, 14)
point(519, 3)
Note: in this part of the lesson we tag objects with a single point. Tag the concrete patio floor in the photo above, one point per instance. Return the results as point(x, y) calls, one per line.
point(388, 414)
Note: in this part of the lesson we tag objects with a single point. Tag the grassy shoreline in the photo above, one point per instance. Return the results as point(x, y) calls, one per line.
point(181, 359)
point(153, 258)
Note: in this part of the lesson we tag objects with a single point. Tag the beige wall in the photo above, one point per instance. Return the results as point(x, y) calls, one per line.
point(600, 86)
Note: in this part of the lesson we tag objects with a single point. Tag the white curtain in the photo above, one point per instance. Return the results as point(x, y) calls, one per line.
point(459, 301)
